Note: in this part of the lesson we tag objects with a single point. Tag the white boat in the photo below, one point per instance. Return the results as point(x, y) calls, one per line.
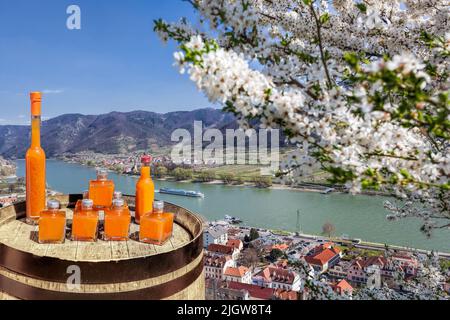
point(327, 191)
point(232, 220)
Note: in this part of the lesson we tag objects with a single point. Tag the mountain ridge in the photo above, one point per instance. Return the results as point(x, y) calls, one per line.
point(111, 133)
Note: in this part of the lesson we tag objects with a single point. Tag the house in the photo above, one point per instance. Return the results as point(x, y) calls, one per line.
point(215, 265)
point(255, 292)
point(343, 288)
point(236, 243)
point(356, 272)
point(362, 268)
point(408, 263)
point(324, 256)
point(221, 249)
point(237, 274)
point(215, 235)
point(339, 270)
point(278, 278)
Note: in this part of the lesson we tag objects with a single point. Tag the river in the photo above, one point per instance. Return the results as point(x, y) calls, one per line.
point(357, 216)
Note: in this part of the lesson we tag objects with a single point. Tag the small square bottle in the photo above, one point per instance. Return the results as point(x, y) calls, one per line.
point(85, 222)
point(155, 226)
point(52, 224)
point(101, 190)
point(117, 221)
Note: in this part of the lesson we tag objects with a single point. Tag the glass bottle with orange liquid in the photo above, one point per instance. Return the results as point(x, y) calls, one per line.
point(145, 190)
point(156, 228)
point(35, 165)
point(117, 221)
point(101, 190)
point(85, 222)
point(52, 224)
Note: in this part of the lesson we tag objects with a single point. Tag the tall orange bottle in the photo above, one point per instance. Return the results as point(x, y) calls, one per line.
point(145, 190)
point(35, 164)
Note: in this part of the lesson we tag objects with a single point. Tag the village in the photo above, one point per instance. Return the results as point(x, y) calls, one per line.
point(245, 263)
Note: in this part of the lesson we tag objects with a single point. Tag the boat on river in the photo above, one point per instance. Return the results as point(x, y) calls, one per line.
point(232, 220)
point(185, 193)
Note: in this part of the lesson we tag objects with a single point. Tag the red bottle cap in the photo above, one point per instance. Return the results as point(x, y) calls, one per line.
point(146, 159)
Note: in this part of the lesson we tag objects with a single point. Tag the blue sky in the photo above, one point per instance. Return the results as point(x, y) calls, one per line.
point(114, 63)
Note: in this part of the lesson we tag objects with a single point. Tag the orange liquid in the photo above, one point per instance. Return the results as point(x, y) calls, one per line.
point(52, 226)
point(35, 174)
point(168, 228)
point(101, 192)
point(84, 225)
point(145, 194)
point(117, 224)
point(153, 229)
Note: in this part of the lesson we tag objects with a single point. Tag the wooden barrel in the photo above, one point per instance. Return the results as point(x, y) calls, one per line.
point(102, 269)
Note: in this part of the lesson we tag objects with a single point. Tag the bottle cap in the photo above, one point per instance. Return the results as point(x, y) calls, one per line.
point(53, 204)
point(146, 159)
point(85, 194)
point(102, 174)
point(36, 99)
point(158, 205)
point(117, 195)
point(87, 203)
point(118, 203)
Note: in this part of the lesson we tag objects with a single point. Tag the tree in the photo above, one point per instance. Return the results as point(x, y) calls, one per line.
point(362, 95)
point(328, 229)
point(181, 174)
point(254, 234)
point(263, 181)
point(160, 171)
point(206, 176)
point(227, 177)
point(249, 257)
point(239, 180)
point(276, 254)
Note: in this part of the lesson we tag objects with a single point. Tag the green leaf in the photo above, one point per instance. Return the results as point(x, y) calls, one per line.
point(362, 7)
point(324, 18)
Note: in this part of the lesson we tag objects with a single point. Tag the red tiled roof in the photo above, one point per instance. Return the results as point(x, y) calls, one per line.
point(277, 275)
point(343, 286)
point(321, 258)
point(253, 290)
point(236, 243)
point(236, 272)
point(285, 295)
point(282, 246)
point(216, 261)
point(220, 248)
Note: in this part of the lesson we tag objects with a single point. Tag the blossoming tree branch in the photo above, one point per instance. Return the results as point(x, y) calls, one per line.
point(360, 87)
